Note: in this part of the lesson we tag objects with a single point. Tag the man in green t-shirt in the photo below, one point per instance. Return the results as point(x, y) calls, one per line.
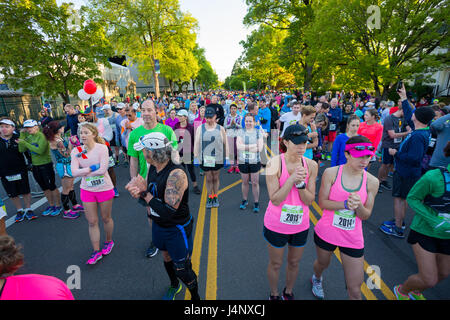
point(138, 164)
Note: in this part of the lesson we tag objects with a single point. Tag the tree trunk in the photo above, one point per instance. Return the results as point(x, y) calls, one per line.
point(156, 80)
point(65, 97)
point(193, 86)
point(307, 78)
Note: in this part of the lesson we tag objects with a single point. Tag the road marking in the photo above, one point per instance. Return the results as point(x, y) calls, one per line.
point(198, 238)
point(229, 186)
point(36, 205)
point(211, 275)
point(384, 288)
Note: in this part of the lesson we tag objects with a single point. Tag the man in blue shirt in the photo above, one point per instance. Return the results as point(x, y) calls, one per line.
point(408, 162)
point(264, 115)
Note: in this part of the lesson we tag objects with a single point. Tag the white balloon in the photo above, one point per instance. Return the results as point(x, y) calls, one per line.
point(97, 96)
point(83, 95)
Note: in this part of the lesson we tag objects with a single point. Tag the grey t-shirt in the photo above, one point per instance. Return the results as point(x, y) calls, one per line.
point(442, 127)
point(392, 123)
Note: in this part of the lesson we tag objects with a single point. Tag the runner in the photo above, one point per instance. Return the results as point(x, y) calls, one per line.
point(165, 195)
point(335, 116)
point(290, 118)
point(13, 170)
point(129, 124)
point(347, 195)
point(307, 120)
point(291, 184)
point(430, 232)
point(371, 129)
point(185, 134)
point(211, 150)
point(120, 117)
point(232, 125)
point(61, 150)
point(96, 190)
point(32, 139)
point(138, 163)
point(338, 152)
point(249, 144)
point(26, 286)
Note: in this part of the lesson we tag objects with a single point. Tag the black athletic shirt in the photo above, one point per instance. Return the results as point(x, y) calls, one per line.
point(157, 186)
point(11, 160)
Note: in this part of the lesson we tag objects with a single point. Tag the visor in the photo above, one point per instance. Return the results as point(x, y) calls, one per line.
point(30, 123)
point(7, 121)
point(358, 150)
point(151, 141)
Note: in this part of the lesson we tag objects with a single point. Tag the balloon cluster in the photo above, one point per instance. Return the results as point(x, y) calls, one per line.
point(90, 91)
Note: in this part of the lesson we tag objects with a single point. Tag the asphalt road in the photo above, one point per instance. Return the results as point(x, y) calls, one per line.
point(230, 254)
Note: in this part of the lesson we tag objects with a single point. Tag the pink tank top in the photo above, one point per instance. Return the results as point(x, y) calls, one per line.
point(35, 287)
point(342, 227)
point(292, 215)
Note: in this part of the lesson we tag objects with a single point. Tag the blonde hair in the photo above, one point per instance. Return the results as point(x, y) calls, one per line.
point(308, 110)
point(92, 128)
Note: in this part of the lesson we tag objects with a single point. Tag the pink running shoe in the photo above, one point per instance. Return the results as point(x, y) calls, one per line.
point(70, 214)
point(107, 247)
point(77, 208)
point(97, 255)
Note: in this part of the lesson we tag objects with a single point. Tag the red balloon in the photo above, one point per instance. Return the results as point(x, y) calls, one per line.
point(90, 87)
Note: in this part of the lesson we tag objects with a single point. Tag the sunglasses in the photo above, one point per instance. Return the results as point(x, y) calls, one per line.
point(299, 133)
point(362, 148)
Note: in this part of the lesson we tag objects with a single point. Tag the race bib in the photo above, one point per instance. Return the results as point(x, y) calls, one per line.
point(209, 161)
point(251, 156)
point(398, 140)
point(15, 177)
point(95, 181)
point(291, 215)
point(344, 219)
point(432, 143)
point(332, 126)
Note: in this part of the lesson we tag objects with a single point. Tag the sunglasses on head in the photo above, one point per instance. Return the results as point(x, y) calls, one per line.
point(362, 148)
point(299, 133)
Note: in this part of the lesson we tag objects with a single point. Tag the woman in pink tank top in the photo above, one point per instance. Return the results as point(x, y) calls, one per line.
point(291, 183)
point(347, 194)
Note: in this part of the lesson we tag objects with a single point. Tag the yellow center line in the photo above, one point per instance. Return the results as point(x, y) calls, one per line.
point(211, 274)
point(198, 238)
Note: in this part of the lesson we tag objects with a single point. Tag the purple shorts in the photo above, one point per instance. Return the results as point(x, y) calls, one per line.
point(89, 196)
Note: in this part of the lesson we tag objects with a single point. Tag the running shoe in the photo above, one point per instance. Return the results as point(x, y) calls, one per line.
point(56, 211)
point(391, 223)
point(30, 215)
point(209, 203)
point(107, 247)
point(70, 214)
point(20, 215)
point(48, 211)
point(151, 251)
point(197, 190)
point(393, 231)
point(328, 157)
point(230, 170)
point(244, 205)
point(274, 298)
point(95, 256)
point(236, 169)
point(256, 207)
point(416, 295)
point(399, 295)
point(317, 288)
point(287, 296)
point(385, 185)
point(77, 208)
point(116, 193)
point(215, 202)
point(172, 292)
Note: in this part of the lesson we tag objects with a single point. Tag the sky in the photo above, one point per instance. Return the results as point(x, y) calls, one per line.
point(220, 29)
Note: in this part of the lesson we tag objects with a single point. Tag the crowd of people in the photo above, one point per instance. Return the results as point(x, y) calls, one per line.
point(162, 141)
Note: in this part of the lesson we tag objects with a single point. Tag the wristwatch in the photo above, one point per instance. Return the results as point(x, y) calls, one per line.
point(143, 194)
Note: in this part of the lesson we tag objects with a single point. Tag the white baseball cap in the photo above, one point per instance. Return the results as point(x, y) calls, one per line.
point(7, 121)
point(106, 106)
point(30, 123)
point(136, 105)
point(120, 105)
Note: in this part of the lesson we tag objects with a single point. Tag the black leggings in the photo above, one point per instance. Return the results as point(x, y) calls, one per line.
point(190, 168)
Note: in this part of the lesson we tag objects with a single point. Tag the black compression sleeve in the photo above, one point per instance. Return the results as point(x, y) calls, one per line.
point(165, 211)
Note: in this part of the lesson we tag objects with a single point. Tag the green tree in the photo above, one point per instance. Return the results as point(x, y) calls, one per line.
point(146, 30)
point(206, 76)
point(400, 47)
point(44, 51)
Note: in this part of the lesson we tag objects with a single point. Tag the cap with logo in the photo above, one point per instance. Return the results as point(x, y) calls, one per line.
point(152, 141)
point(296, 133)
point(30, 123)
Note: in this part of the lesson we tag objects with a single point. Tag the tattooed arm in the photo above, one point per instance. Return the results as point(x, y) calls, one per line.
point(176, 184)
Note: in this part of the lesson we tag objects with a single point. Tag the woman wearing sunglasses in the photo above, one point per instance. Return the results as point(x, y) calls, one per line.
point(291, 183)
point(347, 195)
